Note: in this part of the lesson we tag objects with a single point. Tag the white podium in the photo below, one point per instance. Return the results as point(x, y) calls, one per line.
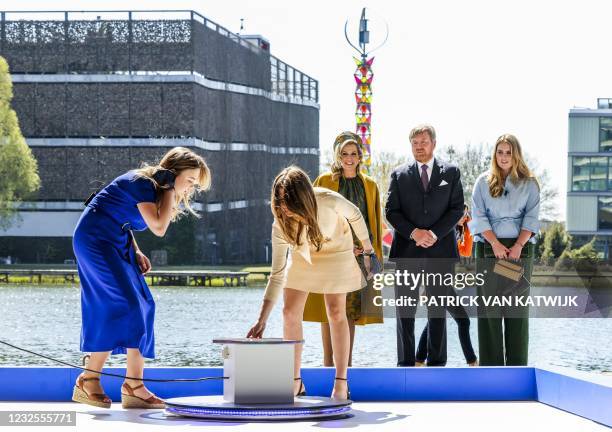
point(260, 371)
point(259, 387)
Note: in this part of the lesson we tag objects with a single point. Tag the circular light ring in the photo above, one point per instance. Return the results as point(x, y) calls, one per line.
point(299, 403)
point(263, 413)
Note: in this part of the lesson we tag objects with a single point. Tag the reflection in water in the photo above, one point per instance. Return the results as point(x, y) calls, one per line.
point(47, 320)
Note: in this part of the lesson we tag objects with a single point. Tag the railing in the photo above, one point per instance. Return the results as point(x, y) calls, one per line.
point(130, 42)
point(289, 81)
point(156, 277)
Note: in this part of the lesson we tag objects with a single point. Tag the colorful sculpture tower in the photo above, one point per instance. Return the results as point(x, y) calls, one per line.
point(363, 114)
point(363, 93)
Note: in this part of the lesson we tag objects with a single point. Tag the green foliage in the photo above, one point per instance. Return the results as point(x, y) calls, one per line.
point(18, 168)
point(556, 241)
point(584, 258)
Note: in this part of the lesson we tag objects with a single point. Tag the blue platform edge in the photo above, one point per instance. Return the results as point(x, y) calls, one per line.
point(585, 395)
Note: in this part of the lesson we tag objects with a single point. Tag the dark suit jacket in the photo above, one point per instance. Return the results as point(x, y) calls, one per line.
point(438, 209)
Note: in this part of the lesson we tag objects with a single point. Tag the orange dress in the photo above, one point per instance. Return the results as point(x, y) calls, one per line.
point(465, 244)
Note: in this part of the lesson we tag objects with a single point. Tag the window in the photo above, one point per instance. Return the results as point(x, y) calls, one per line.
point(599, 173)
point(605, 134)
point(604, 103)
point(214, 207)
point(604, 213)
point(580, 174)
point(591, 173)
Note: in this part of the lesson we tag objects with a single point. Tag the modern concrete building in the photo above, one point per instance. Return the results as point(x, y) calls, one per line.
point(589, 189)
point(98, 93)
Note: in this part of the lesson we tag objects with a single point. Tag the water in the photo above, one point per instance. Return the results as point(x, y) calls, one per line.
point(47, 320)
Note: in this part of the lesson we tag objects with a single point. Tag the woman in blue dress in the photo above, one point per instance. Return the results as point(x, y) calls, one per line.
point(117, 307)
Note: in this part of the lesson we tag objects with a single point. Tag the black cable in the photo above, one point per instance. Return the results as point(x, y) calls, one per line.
point(113, 375)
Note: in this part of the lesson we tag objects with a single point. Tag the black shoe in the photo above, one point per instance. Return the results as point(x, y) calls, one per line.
point(348, 390)
point(302, 390)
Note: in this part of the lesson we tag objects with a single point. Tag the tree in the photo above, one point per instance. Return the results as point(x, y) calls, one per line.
point(583, 259)
point(472, 161)
point(18, 167)
point(325, 161)
point(556, 241)
point(383, 164)
point(548, 190)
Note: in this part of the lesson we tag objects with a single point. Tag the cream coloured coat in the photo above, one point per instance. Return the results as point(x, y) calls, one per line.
point(333, 269)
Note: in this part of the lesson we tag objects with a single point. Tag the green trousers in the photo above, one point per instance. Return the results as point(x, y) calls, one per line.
point(502, 340)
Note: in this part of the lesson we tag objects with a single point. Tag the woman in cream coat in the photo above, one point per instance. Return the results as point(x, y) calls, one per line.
point(313, 224)
point(347, 179)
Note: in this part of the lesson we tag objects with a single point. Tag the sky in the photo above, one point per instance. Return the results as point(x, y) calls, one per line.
point(474, 69)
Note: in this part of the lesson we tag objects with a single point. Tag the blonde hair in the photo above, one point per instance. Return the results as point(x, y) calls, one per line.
point(177, 160)
point(519, 171)
point(292, 188)
point(423, 128)
point(341, 141)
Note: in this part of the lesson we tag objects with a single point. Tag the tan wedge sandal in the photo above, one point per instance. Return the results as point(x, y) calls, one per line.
point(130, 400)
point(79, 394)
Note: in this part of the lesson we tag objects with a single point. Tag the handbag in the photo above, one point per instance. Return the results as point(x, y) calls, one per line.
point(375, 264)
point(508, 270)
point(514, 281)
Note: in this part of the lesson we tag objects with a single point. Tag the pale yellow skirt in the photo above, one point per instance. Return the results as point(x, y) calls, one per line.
point(331, 272)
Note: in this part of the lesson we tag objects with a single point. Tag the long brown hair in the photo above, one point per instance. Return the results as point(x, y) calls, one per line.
point(341, 141)
point(176, 160)
point(292, 188)
point(519, 171)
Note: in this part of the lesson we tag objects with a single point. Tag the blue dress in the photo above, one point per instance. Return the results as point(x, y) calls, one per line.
point(116, 303)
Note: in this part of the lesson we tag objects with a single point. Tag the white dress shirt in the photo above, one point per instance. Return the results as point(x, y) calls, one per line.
point(429, 168)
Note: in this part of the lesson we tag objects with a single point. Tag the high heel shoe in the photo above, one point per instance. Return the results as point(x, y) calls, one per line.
point(348, 390)
point(100, 400)
point(302, 389)
point(130, 400)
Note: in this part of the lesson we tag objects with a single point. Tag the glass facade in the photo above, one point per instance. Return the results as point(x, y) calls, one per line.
point(605, 134)
point(580, 174)
point(599, 173)
point(604, 213)
point(591, 173)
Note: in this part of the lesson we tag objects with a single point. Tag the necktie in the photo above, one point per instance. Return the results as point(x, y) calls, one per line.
point(424, 178)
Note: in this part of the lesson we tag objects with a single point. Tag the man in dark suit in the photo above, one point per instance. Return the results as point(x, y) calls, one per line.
point(424, 203)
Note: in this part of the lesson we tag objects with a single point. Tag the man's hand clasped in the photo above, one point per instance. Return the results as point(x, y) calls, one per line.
point(423, 238)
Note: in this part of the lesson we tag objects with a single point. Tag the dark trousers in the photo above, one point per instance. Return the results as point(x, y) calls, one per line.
point(463, 325)
point(436, 319)
point(503, 332)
